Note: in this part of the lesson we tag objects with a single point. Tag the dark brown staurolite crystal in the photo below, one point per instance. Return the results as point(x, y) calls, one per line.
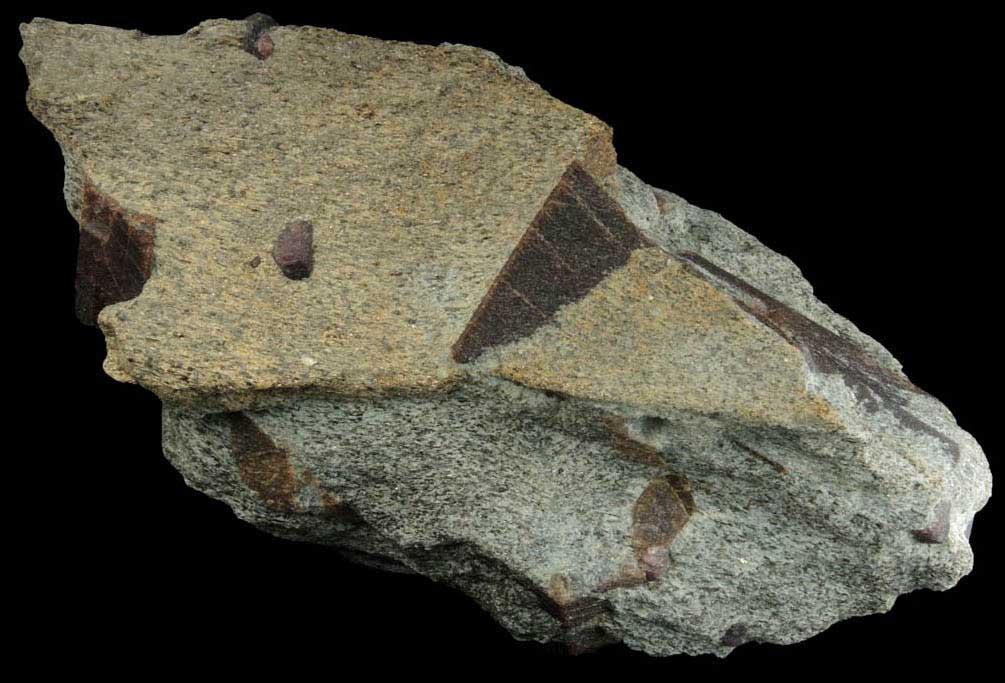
point(294, 250)
point(257, 39)
point(115, 257)
point(577, 238)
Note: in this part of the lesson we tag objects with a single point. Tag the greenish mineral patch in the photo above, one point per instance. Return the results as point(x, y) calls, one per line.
point(399, 300)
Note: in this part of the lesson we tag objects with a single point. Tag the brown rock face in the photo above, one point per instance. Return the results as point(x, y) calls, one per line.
point(578, 237)
point(115, 257)
point(294, 250)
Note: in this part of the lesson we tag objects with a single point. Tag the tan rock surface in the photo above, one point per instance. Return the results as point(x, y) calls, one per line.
point(656, 336)
point(419, 167)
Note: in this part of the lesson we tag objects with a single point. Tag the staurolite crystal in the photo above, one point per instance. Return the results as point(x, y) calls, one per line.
point(397, 299)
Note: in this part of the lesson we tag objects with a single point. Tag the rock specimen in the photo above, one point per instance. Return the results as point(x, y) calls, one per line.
point(492, 356)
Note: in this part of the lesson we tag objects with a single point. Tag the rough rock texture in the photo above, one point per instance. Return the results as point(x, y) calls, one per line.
point(495, 358)
point(419, 168)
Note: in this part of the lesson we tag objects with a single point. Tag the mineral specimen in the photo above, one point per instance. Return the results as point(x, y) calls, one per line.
point(492, 356)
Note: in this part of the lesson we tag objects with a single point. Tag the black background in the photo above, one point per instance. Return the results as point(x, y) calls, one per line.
point(860, 146)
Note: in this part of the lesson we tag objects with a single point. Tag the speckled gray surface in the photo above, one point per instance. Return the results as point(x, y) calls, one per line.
point(694, 454)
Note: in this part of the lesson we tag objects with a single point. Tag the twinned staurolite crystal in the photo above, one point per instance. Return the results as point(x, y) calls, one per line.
point(397, 299)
